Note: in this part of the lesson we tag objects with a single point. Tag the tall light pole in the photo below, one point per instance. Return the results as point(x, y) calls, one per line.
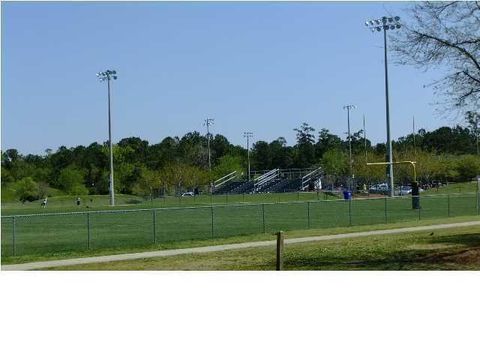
point(414, 143)
point(365, 138)
point(248, 135)
point(386, 23)
point(476, 131)
point(207, 123)
point(348, 108)
point(107, 76)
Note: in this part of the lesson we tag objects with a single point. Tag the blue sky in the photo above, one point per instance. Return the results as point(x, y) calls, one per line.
point(260, 67)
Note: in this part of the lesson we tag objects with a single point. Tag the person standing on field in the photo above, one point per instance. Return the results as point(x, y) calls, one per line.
point(78, 201)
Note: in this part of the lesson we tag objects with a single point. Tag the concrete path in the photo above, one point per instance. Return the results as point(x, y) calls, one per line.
point(206, 249)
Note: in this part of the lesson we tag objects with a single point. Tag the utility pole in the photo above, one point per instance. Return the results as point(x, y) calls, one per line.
point(107, 76)
point(248, 135)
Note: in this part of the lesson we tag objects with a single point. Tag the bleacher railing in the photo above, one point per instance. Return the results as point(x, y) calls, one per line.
point(224, 179)
point(314, 175)
point(265, 179)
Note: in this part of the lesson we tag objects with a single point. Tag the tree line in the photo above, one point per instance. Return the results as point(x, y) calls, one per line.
point(176, 164)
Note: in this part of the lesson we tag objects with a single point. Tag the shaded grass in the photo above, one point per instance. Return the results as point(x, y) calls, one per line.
point(447, 249)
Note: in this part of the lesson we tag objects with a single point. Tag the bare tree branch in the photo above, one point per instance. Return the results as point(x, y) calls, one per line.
point(444, 35)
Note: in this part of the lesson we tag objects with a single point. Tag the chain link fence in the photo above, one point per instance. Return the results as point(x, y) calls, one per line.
point(83, 231)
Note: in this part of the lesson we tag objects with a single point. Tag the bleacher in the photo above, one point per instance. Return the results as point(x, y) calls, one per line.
point(228, 188)
point(272, 181)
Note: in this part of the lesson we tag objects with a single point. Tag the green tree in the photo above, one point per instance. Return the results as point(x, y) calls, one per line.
point(335, 162)
point(71, 181)
point(305, 149)
point(228, 164)
point(468, 167)
point(27, 189)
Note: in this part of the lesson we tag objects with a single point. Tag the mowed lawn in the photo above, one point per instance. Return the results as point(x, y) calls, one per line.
point(128, 202)
point(447, 249)
point(57, 234)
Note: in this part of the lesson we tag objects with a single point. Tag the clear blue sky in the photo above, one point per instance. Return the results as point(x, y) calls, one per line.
point(260, 67)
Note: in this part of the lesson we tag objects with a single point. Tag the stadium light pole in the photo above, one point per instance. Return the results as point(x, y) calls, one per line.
point(107, 76)
point(248, 135)
point(348, 108)
point(207, 123)
point(386, 23)
point(365, 138)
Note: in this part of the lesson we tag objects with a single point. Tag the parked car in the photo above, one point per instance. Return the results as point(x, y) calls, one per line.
point(188, 193)
point(379, 188)
point(405, 190)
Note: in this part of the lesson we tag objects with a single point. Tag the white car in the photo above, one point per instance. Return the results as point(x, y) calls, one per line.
point(188, 193)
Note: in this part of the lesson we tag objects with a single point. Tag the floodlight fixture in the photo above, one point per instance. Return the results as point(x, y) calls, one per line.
point(107, 75)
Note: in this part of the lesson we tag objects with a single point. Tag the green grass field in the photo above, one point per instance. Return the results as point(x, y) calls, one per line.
point(101, 202)
point(448, 249)
point(69, 232)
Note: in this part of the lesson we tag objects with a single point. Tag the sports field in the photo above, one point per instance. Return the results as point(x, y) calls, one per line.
point(72, 232)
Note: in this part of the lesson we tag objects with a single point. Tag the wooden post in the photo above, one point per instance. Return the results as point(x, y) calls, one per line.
point(280, 239)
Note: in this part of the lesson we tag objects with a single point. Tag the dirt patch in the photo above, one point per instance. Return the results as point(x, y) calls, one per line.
point(471, 256)
point(430, 246)
point(462, 257)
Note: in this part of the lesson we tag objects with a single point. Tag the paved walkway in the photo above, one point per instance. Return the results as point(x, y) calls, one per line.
point(206, 249)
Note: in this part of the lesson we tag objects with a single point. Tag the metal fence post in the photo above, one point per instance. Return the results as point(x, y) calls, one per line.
point(478, 202)
point(308, 214)
point(263, 218)
point(14, 236)
point(350, 212)
point(448, 205)
point(298, 195)
point(386, 211)
point(154, 215)
point(88, 231)
point(211, 208)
